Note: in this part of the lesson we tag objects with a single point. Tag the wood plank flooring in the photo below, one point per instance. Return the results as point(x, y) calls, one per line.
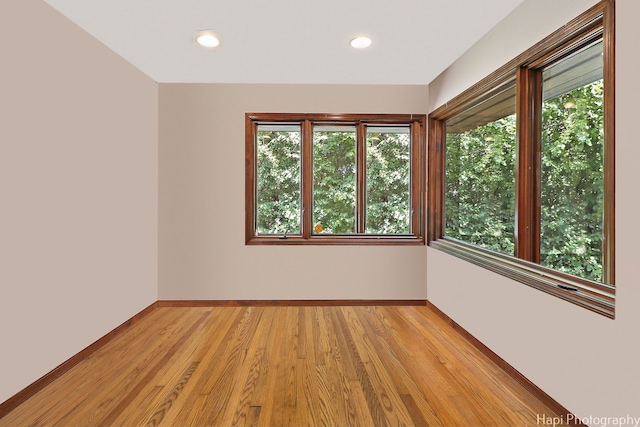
point(284, 366)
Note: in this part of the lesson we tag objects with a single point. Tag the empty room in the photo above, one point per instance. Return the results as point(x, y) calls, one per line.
point(298, 213)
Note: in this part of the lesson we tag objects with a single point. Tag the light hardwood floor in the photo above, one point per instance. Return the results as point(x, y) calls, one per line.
point(284, 366)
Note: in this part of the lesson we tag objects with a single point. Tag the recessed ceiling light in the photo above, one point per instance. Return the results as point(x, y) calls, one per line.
point(360, 42)
point(206, 38)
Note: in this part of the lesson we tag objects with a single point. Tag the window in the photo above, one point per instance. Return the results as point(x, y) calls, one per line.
point(572, 164)
point(521, 167)
point(480, 179)
point(334, 179)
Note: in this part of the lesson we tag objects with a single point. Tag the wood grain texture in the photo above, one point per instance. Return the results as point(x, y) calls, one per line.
point(285, 366)
point(14, 401)
point(288, 303)
point(609, 221)
point(507, 368)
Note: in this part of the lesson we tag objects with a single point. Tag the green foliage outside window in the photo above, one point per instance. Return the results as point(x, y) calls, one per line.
point(480, 185)
point(278, 191)
point(334, 181)
point(573, 182)
point(388, 180)
point(278, 182)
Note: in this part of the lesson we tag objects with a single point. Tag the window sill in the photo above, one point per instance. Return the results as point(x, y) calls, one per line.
point(338, 240)
point(594, 296)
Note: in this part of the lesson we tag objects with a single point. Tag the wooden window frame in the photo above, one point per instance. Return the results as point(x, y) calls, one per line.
point(417, 123)
point(595, 24)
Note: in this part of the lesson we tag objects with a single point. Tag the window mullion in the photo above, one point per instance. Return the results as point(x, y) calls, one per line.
point(528, 113)
point(307, 178)
point(417, 157)
point(361, 177)
point(436, 177)
point(251, 130)
point(608, 241)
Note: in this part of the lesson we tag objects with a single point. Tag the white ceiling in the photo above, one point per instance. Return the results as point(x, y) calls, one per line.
point(289, 41)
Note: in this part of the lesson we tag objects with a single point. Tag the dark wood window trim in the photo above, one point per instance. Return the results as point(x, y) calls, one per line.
point(417, 123)
point(595, 24)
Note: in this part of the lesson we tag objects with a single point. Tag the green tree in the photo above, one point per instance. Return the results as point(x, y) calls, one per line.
point(480, 185)
point(573, 182)
point(388, 181)
point(278, 182)
point(334, 181)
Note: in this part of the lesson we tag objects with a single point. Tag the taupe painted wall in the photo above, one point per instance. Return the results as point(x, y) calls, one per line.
point(585, 361)
point(202, 254)
point(78, 191)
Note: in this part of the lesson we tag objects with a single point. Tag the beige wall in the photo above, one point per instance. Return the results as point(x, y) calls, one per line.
point(202, 254)
point(78, 191)
point(585, 361)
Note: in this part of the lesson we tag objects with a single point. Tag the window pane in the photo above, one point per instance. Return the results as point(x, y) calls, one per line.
point(572, 169)
point(278, 180)
point(388, 180)
point(334, 180)
point(480, 174)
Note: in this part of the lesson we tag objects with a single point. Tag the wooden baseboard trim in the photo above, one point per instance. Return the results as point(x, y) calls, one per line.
point(510, 370)
point(20, 397)
point(287, 303)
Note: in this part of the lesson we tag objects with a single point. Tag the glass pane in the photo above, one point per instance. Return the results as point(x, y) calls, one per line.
point(572, 175)
point(334, 180)
point(480, 174)
point(388, 180)
point(278, 180)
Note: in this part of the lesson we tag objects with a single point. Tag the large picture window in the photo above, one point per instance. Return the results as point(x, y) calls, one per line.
point(334, 179)
point(521, 166)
